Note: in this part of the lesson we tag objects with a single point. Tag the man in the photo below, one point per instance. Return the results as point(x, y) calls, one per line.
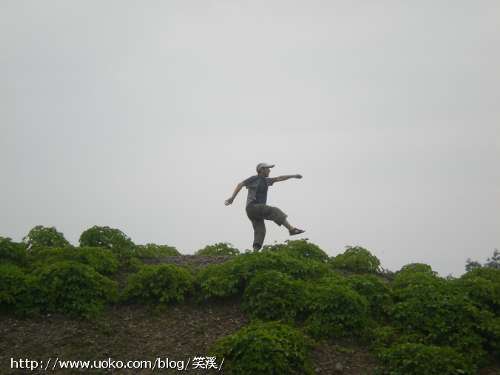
point(256, 207)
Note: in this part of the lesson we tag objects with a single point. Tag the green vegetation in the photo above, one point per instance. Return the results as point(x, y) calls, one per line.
point(418, 359)
point(273, 295)
point(265, 348)
point(356, 259)
point(152, 250)
point(438, 315)
point(12, 252)
point(482, 286)
point(218, 249)
point(231, 278)
point(100, 259)
point(109, 238)
point(41, 236)
point(15, 291)
point(376, 291)
point(413, 320)
point(159, 284)
point(300, 249)
point(218, 281)
point(336, 311)
point(72, 288)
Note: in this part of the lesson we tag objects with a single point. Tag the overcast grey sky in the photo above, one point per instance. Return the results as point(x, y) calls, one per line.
point(144, 115)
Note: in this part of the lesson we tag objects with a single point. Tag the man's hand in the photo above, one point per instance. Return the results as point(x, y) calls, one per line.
point(228, 201)
point(298, 176)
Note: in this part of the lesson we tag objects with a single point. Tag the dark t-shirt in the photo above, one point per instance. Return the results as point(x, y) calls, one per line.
point(257, 188)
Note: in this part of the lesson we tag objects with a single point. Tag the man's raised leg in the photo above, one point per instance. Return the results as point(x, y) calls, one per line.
point(291, 229)
point(280, 218)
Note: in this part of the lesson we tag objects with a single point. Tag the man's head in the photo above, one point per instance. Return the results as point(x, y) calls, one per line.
point(263, 169)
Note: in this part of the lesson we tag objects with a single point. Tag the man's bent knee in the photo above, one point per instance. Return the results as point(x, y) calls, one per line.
point(278, 216)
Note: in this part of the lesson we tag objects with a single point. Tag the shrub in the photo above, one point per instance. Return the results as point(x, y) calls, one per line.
point(335, 310)
point(490, 330)
point(265, 348)
point(382, 337)
point(418, 267)
point(356, 259)
point(300, 249)
point(247, 265)
point(438, 313)
point(12, 252)
point(376, 292)
point(333, 278)
point(482, 285)
point(217, 281)
point(152, 250)
point(15, 293)
point(100, 259)
point(406, 282)
point(73, 288)
point(41, 236)
point(233, 276)
point(109, 238)
point(418, 359)
point(272, 295)
point(217, 249)
point(158, 284)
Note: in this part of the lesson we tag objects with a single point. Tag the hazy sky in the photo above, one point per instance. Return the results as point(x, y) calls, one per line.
point(144, 115)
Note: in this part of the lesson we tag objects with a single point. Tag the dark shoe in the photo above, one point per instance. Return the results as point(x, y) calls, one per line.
point(295, 231)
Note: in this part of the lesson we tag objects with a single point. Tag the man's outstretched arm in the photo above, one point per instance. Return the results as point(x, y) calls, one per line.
point(235, 193)
point(285, 177)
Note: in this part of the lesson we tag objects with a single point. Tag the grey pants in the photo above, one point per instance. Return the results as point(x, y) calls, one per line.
point(259, 212)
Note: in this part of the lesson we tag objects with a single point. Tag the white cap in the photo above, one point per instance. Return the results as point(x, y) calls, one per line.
point(263, 165)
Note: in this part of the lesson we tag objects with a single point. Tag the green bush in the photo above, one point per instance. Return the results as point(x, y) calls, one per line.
point(265, 348)
point(159, 284)
point(109, 238)
point(100, 259)
point(439, 314)
point(405, 283)
point(12, 252)
point(336, 310)
point(382, 337)
point(333, 277)
point(489, 326)
point(73, 288)
point(418, 267)
point(247, 265)
point(40, 236)
point(233, 276)
point(300, 249)
point(217, 249)
point(482, 285)
point(272, 295)
point(418, 359)
point(15, 294)
point(217, 281)
point(356, 259)
point(152, 250)
point(376, 292)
